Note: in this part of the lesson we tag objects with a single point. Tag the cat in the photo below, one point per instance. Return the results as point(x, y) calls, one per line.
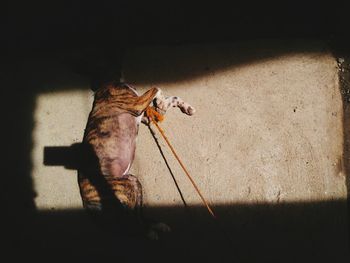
point(106, 186)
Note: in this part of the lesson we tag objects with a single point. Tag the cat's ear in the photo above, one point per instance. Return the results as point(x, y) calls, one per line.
point(145, 99)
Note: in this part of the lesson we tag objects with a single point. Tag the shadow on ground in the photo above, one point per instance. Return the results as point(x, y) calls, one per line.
point(297, 232)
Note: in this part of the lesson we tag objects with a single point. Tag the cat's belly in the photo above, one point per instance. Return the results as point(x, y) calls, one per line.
point(114, 144)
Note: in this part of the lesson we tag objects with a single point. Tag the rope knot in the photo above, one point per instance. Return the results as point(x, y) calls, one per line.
point(154, 115)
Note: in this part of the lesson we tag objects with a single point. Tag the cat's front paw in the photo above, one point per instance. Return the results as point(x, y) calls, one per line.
point(188, 109)
point(161, 106)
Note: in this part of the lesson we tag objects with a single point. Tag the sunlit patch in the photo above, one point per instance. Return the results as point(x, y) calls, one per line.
point(265, 132)
point(268, 131)
point(60, 119)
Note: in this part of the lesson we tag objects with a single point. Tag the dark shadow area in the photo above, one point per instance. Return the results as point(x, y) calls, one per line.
point(299, 232)
point(342, 52)
point(71, 157)
point(58, 25)
point(194, 61)
point(90, 39)
point(17, 190)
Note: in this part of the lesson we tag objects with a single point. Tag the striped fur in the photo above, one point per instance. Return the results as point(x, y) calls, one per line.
point(109, 143)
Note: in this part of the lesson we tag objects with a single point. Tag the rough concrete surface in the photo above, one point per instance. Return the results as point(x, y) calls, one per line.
point(268, 132)
point(56, 186)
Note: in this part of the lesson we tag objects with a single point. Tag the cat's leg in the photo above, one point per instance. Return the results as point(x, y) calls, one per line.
point(163, 103)
point(128, 191)
point(115, 204)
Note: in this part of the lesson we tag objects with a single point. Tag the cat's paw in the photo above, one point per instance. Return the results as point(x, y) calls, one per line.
point(188, 109)
point(156, 229)
point(161, 106)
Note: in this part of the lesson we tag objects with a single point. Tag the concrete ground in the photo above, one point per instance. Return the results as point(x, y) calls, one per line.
point(265, 148)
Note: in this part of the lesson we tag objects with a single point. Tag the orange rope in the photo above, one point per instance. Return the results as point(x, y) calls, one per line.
point(155, 117)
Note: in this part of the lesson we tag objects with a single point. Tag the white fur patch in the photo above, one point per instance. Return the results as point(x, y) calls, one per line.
point(138, 119)
point(134, 90)
point(127, 169)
